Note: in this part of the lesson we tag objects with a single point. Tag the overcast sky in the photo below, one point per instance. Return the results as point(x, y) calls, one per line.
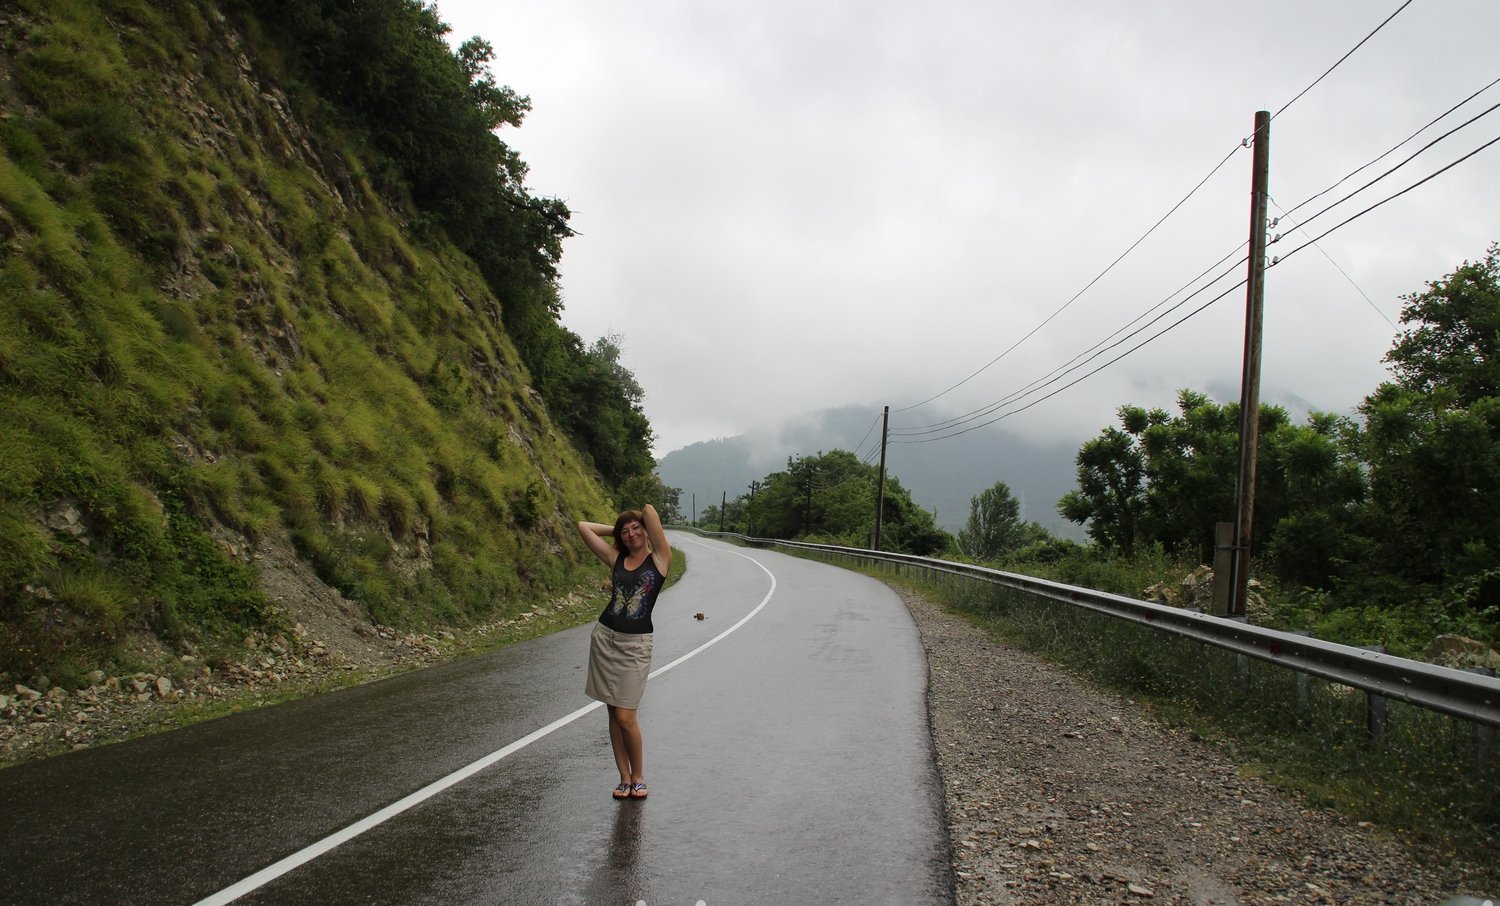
point(788, 205)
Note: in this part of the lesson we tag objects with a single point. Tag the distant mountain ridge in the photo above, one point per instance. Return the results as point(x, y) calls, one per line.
point(941, 476)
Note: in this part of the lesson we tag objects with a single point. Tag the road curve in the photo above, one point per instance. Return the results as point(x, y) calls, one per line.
point(789, 761)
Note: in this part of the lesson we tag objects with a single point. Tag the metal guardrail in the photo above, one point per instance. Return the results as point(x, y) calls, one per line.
point(1461, 693)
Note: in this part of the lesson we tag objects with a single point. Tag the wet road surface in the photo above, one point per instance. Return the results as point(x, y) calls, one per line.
point(789, 762)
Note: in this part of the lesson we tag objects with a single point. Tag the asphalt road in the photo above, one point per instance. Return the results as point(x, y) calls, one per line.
point(789, 762)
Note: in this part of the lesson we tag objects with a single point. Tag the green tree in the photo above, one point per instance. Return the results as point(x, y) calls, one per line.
point(995, 527)
point(1312, 483)
point(1168, 480)
point(1110, 498)
point(1450, 348)
point(909, 528)
point(1191, 461)
point(646, 488)
point(605, 413)
point(830, 498)
point(731, 517)
point(1431, 437)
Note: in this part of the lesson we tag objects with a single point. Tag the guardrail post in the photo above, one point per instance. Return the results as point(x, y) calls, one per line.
point(1304, 683)
point(1241, 662)
point(1376, 715)
point(1223, 566)
point(1482, 736)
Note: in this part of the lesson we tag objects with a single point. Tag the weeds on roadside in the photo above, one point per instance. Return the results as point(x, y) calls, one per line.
point(1434, 776)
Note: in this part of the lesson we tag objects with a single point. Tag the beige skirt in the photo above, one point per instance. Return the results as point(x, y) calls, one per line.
point(618, 665)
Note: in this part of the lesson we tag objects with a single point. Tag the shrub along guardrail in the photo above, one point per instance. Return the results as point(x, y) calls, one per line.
point(1467, 694)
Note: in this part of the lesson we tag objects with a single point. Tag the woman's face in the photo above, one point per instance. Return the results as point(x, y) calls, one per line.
point(633, 535)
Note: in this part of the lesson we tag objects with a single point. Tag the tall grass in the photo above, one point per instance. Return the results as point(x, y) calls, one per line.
point(199, 339)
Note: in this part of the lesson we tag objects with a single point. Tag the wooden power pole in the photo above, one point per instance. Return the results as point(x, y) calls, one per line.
point(1255, 288)
point(885, 425)
point(750, 510)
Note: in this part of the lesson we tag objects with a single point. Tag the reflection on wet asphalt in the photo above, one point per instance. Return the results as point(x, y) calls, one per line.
point(618, 869)
point(790, 762)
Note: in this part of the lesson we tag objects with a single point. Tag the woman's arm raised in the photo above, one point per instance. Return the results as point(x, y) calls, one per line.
point(661, 549)
point(593, 534)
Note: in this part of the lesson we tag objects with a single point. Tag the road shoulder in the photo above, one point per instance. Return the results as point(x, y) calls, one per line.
point(1060, 792)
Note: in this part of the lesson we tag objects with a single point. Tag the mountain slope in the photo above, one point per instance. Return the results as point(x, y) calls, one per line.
point(222, 327)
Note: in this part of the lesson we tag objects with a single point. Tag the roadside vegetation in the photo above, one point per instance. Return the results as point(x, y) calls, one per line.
point(271, 272)
point(1432, 778)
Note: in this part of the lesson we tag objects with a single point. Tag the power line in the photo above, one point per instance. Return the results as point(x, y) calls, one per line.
point(1200, 308)
point(1440, 117)
point(1470, 121)
point(1301, 227)
point(1086, 287)
point(1244, 143)
point(1082, 377)
point(1335, 264)
point(859, 446)
point(1280, 258)
point(1286, 214)
point(1058, 374)
point(1095, 352)
point(1341, 60)
point(991, 407)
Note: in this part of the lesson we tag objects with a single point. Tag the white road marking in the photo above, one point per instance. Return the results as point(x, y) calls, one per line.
point(338, 838)
point(743, 620)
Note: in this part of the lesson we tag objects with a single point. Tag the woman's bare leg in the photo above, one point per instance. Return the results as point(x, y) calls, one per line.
point(625, 739)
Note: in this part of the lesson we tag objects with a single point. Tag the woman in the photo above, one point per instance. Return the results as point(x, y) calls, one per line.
point(620, 649)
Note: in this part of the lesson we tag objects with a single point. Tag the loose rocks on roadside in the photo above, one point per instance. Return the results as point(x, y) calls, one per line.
point(1061, 793)
point(37, 722)
point(34, 723)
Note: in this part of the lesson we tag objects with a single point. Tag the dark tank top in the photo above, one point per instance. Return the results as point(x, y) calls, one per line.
point(633, 597)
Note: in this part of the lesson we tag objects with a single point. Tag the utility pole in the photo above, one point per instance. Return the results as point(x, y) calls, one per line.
point(1255, 288)
point(750, 510)
point(807, 510)
point(885, 425)
point(723, 499)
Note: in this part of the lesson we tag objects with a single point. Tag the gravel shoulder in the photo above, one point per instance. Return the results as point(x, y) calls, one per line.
point(1058, 792)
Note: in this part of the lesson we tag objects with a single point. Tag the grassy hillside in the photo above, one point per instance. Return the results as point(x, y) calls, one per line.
point(219, 324)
